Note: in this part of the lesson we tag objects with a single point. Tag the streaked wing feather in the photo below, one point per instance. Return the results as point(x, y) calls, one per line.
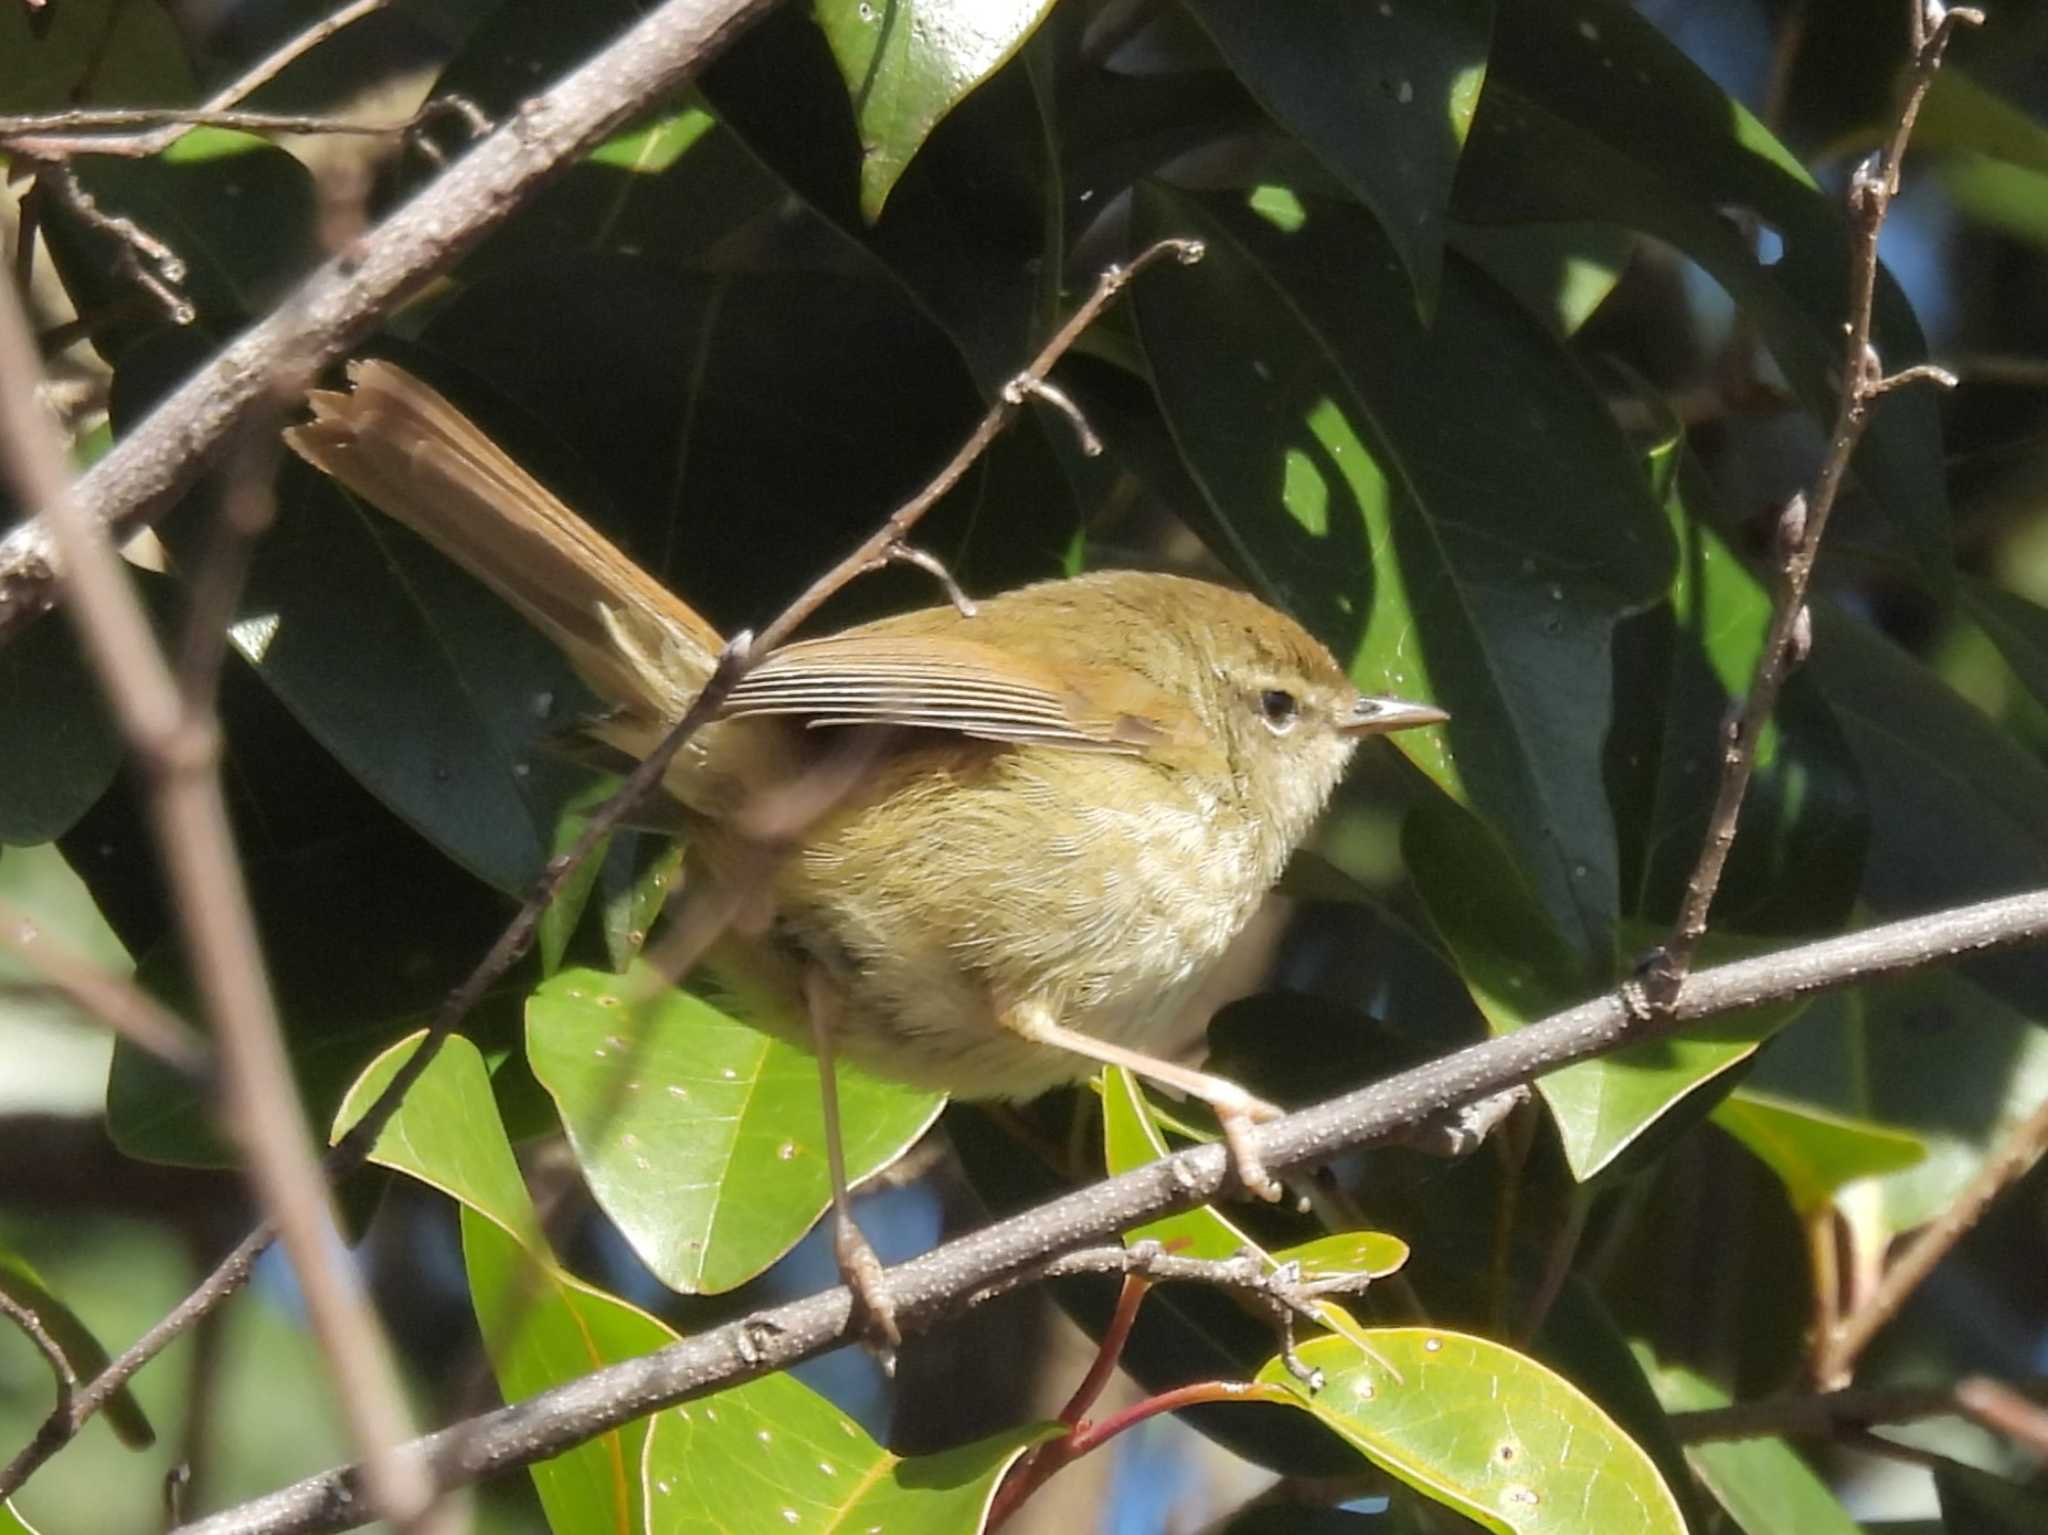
point(932, 682)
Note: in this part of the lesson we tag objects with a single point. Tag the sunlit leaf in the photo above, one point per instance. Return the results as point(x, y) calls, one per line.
point(701, 1137)
point(907, 63)
point(1815, 1153)
point(1483, 1430)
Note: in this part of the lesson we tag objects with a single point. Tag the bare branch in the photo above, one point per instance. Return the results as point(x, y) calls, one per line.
point(943, 1282)
point(1871, 190)
point(178, 748)
point(39, 136)
point(1820, 1415)
point(149, 468)
point(131, 1013)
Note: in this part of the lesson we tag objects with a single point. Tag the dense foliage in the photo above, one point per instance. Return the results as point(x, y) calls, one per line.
point(1513, 332)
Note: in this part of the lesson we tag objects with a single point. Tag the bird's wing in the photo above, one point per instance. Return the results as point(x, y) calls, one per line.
point(934, 682)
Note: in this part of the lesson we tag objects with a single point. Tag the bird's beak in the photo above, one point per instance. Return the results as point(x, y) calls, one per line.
point(1380, 716)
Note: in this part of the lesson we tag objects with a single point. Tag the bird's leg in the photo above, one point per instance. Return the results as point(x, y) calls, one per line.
point(858, 1265)
point(1236, 1110)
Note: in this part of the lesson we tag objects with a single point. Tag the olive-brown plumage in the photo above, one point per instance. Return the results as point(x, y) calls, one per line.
point(1063, 807)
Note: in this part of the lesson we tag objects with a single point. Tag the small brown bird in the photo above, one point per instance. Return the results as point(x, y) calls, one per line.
point(1067, 804)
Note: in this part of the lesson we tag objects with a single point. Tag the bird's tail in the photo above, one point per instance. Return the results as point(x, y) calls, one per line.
point(403, 448)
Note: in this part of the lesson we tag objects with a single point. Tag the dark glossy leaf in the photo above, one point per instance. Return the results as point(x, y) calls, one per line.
point(1478, 564)
point(1798, 857)
point(1984, 1504)
point(1383, 95)
point(907, 63)
point(1560, 272)
point(431, 692)
point(1958, 809)
point(726, 430)
point(351, 973)
point(1591, 114)
point(59, 749)
point(83, 52)
point(674, 186)
point(703, 1139)
point(236, 211)
point(968, 233)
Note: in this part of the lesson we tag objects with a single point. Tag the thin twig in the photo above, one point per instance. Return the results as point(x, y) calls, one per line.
point(41, 136)
point(1820, 1415)
point(2014, 1157)
point(147, 261)
point(1872, 187)
point(685, 943)
point(30, 1322)
point(2005, 1410)
point(943, 1282)
point(179, 753)
point(123, 1007)
point(62, 135)
point(875, 548)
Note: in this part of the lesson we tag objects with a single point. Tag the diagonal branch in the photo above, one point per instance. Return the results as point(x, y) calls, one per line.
point(946, 1281)
point(149, 468)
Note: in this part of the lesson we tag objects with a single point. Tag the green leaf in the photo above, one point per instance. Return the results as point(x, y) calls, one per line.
point(1958, 809)
point(1562, 273)
point(60, 748)
point(1762, 1483)
point(11, 1522)
point(1958, 113)
point(638, 886)
point(20, 1283)
point(1373, 1253)
point(1590, 113)
point(1478, 565)
point(541, 1325)
point(1814, 1153)
point(701, 1137)
point(773, 1455)
point(2008, 197)
point(1483, 1430)
point(907, 63)
point(1130, 1139)
point(1931, 1056)
point(2018, 628)
point(1518, 970)
point(1798, 860)
point(1383, 95)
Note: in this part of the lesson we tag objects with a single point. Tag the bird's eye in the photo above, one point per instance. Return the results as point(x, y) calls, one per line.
point(1280, 708)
